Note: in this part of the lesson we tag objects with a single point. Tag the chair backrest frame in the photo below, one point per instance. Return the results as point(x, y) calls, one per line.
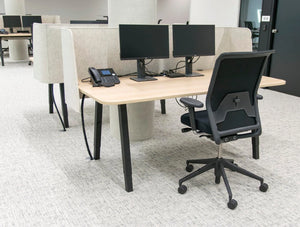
point(218, 104)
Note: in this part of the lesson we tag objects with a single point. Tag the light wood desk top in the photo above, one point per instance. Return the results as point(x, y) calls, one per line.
point(129, 91)
point(15, 35)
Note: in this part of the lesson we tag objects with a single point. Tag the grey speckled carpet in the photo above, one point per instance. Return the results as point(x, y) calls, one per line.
point(46, 178)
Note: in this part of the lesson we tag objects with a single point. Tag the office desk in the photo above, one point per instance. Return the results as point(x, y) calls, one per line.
point(12, 36)
point(129, 91)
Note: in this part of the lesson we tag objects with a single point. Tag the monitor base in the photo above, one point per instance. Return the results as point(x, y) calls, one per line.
point(147, 78)
point(194, 74)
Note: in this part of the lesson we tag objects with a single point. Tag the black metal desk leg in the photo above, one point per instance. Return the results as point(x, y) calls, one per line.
point(1, 52)
point(97, 129)
point(64, 105)
point(163, 106)
point(50, 95)
point(255, 147)
point(125, 145)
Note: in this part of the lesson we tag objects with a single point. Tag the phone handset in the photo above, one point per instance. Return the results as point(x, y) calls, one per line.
point(103, 77)
point(96, 79)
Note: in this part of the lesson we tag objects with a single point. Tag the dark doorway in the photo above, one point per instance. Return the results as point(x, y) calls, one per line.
point(286, 43)
point(250, 16)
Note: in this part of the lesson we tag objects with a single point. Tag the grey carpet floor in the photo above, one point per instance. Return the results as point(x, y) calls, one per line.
point(46, 178)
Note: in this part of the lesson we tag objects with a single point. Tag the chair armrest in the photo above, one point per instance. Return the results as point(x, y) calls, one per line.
point(189, 102)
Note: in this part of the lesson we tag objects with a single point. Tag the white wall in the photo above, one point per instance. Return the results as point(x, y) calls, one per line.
point(173, 11)
point(219, 12)
point(222, 13)
point(67, 9)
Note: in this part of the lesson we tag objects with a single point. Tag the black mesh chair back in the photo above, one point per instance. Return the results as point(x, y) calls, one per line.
point(232, 95)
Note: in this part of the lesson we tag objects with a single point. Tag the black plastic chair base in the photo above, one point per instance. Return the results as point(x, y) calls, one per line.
point(219, 165)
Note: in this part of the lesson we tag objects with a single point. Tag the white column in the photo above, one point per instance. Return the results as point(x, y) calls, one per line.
point(140, 120)
point(218, 12)
point(132, 12)
point(17, 48)
point(140, 115)
point(173, 11)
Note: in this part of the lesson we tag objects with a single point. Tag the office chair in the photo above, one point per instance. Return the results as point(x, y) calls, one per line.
point(231, 113)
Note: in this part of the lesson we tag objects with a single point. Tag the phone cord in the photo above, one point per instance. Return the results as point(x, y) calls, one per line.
point(83, 128)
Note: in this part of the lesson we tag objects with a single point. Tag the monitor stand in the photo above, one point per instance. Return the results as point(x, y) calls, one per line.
point(141, 72)
point(189, 68)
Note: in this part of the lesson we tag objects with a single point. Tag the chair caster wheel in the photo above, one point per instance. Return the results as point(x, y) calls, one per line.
point(263, 187)
point(189, 168)
point(232, 204)
point(182, 189)
point(217, 180)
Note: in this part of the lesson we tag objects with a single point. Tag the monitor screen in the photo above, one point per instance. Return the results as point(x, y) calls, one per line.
point(144, 41)
point(193, 40)
point(106, 72)
point(11, 21)
point(29, 20)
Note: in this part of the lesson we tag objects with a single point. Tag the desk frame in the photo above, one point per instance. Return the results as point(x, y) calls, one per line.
point(123, 118)
point(124, 137)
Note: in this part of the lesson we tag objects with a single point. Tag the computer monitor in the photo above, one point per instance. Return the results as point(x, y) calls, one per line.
point(140, 42)
point(193, 40)
point(28, 21)
point(11, 21)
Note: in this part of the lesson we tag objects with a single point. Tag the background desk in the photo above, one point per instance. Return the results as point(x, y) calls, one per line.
point(129, 91)
point(12, 36)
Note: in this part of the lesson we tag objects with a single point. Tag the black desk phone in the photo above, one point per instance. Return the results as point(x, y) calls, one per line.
point(3, 31)
point(103, 77)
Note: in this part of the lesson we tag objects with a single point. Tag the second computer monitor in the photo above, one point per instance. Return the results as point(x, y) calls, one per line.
point(11, 21)
point(140, 42)
point(193, 40)
point(28, 21)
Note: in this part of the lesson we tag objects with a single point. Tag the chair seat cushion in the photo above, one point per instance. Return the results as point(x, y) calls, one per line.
point(202, 121)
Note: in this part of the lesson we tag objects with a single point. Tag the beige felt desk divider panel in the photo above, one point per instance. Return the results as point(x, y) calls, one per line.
point(226, 40)
point(47, 66)
point(99, 47)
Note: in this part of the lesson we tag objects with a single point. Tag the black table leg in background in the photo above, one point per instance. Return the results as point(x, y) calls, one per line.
point(163, 106)
point(125, 146)
point(64, 105)
point(1, 52)
point(97, 129)
point(255, 147)
point(50, 95)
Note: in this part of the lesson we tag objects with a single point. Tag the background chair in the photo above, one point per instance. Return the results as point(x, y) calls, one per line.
point(232, 113)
